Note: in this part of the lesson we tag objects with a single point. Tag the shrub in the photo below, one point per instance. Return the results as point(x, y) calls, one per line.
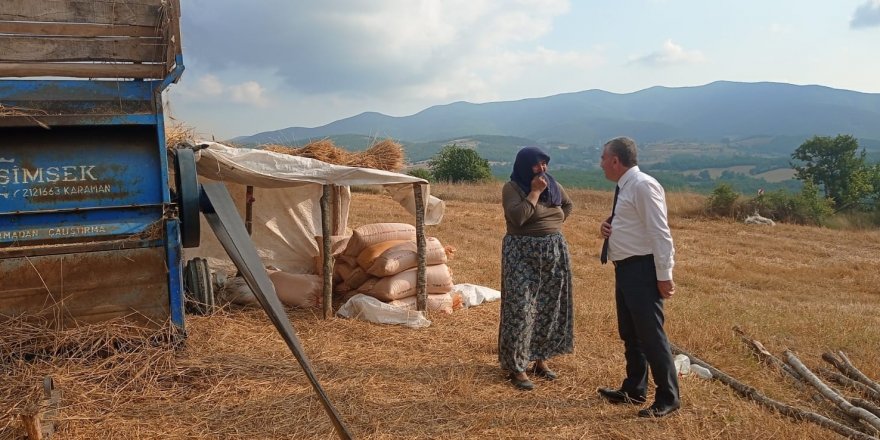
point(805, 208)
point(722, 202)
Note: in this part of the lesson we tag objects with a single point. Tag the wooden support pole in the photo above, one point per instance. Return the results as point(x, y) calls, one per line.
point(753, 394)
point(336, 208)
point(421, 246)
point(326, 218)
point(33, 426)
point(830, 394)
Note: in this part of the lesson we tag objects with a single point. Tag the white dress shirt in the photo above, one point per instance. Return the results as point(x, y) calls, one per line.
point(639, 226)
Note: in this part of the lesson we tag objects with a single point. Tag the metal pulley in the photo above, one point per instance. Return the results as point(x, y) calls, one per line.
point(187, 196)
point(198, 287)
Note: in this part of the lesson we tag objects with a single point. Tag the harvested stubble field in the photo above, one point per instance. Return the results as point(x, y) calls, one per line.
point(807, 289)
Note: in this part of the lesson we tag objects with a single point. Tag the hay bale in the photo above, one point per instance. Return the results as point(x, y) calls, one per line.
point(324, 150)
point(384, 155)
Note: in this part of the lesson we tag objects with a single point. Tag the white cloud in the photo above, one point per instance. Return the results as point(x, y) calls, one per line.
point(250, 93)
point(209, 85)
point(866, 15)
point(380, 47)
point(209, 88)
point(779, 28)
point(670, 54)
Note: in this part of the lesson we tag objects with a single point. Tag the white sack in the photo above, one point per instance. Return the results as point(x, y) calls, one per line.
point(473, 294)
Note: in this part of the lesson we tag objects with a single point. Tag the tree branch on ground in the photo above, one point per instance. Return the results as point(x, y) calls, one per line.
point(846, 367)
point(832, 395)
point(865, 390)
point(767, 358)
point(789, 411)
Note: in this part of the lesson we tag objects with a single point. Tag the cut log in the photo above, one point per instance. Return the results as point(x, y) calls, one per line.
point(830, 394)
point(786, 410)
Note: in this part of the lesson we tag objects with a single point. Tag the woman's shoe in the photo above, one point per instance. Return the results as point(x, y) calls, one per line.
point(545, 373)
point(521, 384)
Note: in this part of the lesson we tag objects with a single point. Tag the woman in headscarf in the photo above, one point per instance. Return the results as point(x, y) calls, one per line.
point(536, 293)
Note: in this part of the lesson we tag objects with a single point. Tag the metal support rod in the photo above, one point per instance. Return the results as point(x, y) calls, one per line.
point(249, 209)
point(326, 218)
point(421, 282)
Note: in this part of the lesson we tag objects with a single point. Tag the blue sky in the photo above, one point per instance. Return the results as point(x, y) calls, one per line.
point(270, 64)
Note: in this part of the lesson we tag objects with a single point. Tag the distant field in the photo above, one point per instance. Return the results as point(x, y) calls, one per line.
point(777, 175)
point(716, 172)
point(773, 176)
point(807, 289)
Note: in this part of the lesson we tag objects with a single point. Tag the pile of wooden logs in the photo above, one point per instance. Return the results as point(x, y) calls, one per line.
point(851, 417)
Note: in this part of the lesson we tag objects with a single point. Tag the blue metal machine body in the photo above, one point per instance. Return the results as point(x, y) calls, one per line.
point(88, 227)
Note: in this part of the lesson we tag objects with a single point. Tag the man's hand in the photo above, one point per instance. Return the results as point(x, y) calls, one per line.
point(666, 288)
point(605, 228)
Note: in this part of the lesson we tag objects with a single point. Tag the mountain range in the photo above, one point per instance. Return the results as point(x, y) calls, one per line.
point(719, 112)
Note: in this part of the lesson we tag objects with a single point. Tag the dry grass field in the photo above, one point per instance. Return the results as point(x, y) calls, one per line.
point(791, 287)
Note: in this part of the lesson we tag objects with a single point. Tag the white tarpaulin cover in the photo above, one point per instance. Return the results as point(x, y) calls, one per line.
point(287, 194)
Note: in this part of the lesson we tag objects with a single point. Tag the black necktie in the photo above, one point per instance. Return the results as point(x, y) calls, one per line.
point(604, 256)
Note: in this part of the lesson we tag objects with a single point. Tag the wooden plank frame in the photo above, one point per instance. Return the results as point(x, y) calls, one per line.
point(137, 39)
point(127, 12)
point(60, 49)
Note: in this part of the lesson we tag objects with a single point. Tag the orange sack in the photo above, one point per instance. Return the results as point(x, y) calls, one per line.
point(404, 256)
point(402, 285)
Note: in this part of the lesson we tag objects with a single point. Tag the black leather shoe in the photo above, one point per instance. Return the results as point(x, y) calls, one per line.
point(658, 410)
point(618, 396)
point(521, 384)
point(545, 373)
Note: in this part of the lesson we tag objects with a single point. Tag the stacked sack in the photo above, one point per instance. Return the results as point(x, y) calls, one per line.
point(381, 259)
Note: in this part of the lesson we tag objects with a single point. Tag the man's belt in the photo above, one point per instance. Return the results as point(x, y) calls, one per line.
point(633, 259)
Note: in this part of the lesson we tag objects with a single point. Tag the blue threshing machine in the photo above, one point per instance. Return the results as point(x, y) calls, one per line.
point(90, 227)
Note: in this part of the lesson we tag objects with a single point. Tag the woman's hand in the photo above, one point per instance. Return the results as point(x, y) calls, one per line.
point(539, 183)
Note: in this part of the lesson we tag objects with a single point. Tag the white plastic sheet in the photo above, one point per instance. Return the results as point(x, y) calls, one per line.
point(287, 193)
point(473, 295)
point(370, 309)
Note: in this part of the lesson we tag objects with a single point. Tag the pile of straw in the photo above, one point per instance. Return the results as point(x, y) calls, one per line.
point(178, 134)
point(384, 155)
point(20, 111)
point(30, 113)
point(95, 367)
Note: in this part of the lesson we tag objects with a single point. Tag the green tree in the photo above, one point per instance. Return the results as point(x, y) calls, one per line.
point(834, 165)
point(457, 164)
point(421, 173)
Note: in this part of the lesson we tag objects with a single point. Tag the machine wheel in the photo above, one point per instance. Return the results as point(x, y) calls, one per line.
point(198, 287)
point(186, 180)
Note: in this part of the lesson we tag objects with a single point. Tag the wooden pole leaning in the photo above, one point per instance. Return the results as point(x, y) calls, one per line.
point(421, 272)
point(326, 218)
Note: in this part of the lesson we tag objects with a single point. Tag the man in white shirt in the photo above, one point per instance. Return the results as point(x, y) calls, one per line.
point(638, 241)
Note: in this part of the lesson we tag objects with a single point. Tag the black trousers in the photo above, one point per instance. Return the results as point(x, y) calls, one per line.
point(640, 324)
